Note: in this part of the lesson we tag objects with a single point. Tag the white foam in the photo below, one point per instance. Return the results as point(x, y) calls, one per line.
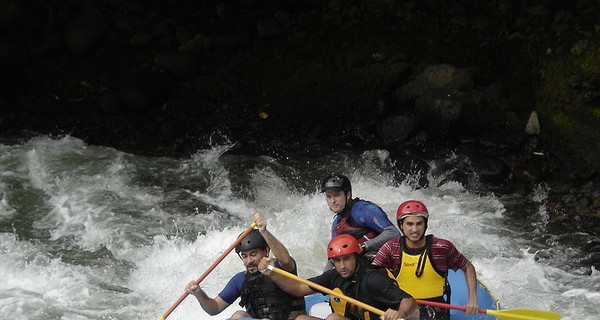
point(116, 251)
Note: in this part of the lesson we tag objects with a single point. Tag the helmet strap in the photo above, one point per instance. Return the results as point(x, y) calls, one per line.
point(348, 195)
point(402, 232)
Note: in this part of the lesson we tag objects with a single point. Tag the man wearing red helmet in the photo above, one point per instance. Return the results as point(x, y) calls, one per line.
point(363, 220)
point(356, 278)
point(420, 263)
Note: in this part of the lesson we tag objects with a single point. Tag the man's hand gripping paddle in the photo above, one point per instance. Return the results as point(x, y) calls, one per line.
point(335, 293)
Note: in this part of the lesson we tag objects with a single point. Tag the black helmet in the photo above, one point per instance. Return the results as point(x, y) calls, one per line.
point(336, 182)
point(253, 240)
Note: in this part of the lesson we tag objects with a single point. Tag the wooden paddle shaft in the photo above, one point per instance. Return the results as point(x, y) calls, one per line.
point(210, 268)
point(328, 291)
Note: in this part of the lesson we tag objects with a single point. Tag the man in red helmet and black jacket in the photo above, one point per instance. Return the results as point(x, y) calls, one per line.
point(355, 278)
point(363, 220)
point(420, 263)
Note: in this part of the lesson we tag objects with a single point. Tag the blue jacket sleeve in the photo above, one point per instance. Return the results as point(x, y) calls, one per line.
point(233, 289)
point(370, 215)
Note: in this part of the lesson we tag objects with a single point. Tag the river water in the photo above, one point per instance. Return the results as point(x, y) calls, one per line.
point(89, 232)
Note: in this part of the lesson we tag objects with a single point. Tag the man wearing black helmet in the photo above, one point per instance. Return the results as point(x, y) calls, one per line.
point(261, 297)
point(364, 220)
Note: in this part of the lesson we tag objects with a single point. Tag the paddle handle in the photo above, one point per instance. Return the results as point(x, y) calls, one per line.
point(447, 306)
point(328, 291)
point(210, 268)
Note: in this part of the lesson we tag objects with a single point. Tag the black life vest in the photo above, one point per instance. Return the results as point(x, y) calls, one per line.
point(360, 292)
point(262, 298)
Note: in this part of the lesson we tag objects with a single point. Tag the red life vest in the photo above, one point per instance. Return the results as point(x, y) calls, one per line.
point(348, 226)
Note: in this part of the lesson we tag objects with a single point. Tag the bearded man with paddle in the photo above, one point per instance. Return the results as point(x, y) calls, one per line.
point(261, 297)
point(359, 291)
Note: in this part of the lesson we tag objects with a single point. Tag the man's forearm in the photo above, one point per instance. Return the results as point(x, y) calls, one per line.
point(387, 234)
point(208, 305)
point(289, 285)
point(471, 280)
point(279, 250)
point(407, 308)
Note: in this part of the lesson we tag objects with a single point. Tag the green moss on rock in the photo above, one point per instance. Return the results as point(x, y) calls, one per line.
point(568, 94)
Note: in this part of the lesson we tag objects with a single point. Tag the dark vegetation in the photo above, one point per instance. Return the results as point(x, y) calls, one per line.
point(422, 79)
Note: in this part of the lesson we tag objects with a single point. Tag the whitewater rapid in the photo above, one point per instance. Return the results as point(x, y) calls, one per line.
point(89, 232)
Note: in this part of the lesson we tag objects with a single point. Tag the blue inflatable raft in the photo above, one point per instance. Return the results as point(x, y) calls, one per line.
point(318, 305)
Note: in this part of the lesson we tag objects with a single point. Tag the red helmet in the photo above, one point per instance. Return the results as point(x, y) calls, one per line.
point(342, 245)
point(412, 208)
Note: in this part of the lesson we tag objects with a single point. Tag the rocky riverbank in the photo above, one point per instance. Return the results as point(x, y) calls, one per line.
point(510, 88)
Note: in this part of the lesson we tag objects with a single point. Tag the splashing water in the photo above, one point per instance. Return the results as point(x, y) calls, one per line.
point(89, 232)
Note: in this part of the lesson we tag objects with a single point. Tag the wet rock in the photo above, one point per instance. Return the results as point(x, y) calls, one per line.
point(490, 169)
point(444, 98)
point(268, 28)
point(592, 248)
point(141, 39)
point(456, 114)
point(11, 64)
point(235, 40)
point(12, 11)
point(533, 124)
point(572, 204)
point(49, 45)
point(179, 64)
point(86, 31)
point(443, 79)
point(108, 102)
point(398, 127)
point(473, 171)
point(500, 141)
point(144, 91)
point(439, 106)
point(530, 171)
point(198, 43)
point(477, 115)
point(496, 94)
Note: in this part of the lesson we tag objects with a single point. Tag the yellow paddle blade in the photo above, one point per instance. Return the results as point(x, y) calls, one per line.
point(524, 314)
